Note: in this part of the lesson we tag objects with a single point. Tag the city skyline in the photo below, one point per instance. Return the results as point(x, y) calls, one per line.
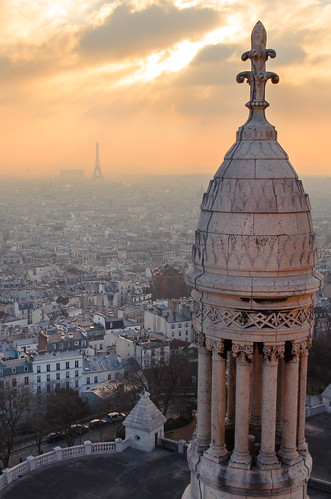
point(152, 82)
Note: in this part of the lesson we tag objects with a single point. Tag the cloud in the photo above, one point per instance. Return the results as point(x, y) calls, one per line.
point(128, 33)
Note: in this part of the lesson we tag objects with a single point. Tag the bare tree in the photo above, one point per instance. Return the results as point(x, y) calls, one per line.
point(167, 382)
point(37, 422)
point(14, 405)
point(65, 407)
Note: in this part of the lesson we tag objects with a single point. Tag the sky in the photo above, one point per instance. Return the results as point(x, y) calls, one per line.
point(154, 83)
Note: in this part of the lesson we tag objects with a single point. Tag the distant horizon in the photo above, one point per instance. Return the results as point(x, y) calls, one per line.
point(154, 83)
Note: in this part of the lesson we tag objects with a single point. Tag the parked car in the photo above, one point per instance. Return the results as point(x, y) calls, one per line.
point(54, 437)
point(80, 428)
point(115, 416)
point(96, 423)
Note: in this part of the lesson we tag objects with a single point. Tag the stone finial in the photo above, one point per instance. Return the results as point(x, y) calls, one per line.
point(258, 75)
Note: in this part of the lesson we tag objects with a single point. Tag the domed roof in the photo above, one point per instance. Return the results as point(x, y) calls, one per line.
point(255, 229)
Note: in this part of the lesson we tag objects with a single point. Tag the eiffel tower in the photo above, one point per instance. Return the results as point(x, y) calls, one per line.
point(97, 175)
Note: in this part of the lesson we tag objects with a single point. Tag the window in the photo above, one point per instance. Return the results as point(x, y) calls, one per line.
point(61, 346)
point(179, 333)
point(83, 343)
point(13, 370)
point(25, 369)
point(38, 369)
point(88, 380)
point(38, 379)
point(38, 389)
point(76, 363)
point(180, 324)
point(173, 326)
point(58, 367)
point(76, 383)
point(109, 377)
point(48, 377)
point(26, 380)
point(76, 374)
point(67, 384)
point(67, 374)
point(48, 367)
point(95, 379)
point(67, 365)
point(76, 343)
point(57, 375)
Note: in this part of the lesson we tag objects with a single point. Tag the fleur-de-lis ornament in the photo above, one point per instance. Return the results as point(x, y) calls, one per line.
point(258, 76)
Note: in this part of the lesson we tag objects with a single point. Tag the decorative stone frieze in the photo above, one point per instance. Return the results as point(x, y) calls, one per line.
point(254, 319)
point(254, 252)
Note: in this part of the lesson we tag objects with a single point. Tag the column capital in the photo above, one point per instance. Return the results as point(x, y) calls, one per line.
point(271, 353)
point(200, 339)
point(305, 345)
point(243, 351)
point(215, 346)
point(295, 351)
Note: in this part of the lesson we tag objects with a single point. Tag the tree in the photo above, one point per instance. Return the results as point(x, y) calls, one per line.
point(37, 422)
point(63, 408)
point(125, 393)
point(14, 405)
point(319, 365)
point(169, 382)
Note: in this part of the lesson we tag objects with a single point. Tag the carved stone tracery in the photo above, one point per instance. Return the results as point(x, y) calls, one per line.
point(257, 319)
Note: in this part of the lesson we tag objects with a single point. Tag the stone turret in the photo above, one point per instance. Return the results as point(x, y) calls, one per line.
point(254, 282)
point(145, 424)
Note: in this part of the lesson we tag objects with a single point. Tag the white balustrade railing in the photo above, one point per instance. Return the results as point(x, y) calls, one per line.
point(60, 454)
point(103, 448)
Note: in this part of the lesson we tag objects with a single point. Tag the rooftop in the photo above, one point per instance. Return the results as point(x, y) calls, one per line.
point(118, 475)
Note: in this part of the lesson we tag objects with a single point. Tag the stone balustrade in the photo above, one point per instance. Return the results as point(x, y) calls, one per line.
point(60, 454)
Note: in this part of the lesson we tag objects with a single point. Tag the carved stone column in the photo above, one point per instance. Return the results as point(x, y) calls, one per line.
point(267, 456)
point(256, 392)
point(301, 442)
point(280, 397)
point(288, 449)
point(241, 457)
point(231, 396)
point(217, 450)
point(204, 395)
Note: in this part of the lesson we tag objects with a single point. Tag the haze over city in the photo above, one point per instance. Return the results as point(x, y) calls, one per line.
point(153, 82)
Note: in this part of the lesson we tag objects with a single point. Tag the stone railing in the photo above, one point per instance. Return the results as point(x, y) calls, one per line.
point(316, 409)
point(60, 454)
point(179, 446)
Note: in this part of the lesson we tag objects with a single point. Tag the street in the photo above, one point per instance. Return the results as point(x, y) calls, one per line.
point(28, 448)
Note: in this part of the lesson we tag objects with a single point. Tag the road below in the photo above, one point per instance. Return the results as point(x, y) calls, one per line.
point(29, 448)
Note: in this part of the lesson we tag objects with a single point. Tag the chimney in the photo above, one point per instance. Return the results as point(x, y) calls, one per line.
point(42, 342)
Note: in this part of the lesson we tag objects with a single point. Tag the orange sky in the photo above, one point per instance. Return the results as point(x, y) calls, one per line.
point(154, 83)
